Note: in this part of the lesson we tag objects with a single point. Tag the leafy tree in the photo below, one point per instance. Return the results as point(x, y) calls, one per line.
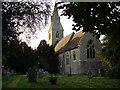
point(96, 17)
point(12, 55)
point(30, 15)
point(42, 53)
point(53, 61)
point(47, 58)
point(27, 57)
point(99, 19)
point(19, 17)
point(19, 56)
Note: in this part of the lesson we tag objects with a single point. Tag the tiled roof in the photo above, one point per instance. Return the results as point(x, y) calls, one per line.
point(69, 42)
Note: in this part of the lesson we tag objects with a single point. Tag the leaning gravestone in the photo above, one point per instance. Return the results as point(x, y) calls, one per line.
point(90, 74)
point(32, 75)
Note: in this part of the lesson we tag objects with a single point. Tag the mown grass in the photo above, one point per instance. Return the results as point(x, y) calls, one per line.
point(6, 80)
point(74, 81)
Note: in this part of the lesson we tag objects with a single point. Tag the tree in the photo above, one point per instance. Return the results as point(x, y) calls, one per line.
point(23, 15)
point(53, 61)
point(47, 58)
point(99, 19)
point(19, 17)
point(19, 56)
point(13, 55)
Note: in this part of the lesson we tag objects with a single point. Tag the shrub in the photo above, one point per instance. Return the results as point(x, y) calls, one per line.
point(53, 79)
point(69, 74)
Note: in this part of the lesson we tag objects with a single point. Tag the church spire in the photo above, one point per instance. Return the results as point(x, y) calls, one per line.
point(55, 13)
point(56, 29)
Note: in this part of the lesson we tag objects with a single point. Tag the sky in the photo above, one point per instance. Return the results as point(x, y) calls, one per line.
point(43, 34)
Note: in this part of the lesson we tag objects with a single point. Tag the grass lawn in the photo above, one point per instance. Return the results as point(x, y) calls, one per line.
point(74, 81)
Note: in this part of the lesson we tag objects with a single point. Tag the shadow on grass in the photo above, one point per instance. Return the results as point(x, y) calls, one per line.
point(64, 81)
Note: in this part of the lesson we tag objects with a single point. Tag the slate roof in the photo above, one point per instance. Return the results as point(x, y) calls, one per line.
point(69, 42)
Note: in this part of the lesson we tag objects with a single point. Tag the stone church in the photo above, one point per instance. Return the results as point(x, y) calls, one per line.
point(77, 51)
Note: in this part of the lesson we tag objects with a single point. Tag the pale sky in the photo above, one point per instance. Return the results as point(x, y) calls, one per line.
point(43, 34)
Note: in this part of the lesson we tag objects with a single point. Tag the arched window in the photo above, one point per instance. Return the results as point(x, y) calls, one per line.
point(67, 58)
point(90, 50)
point(74, 55)
point(57, 34)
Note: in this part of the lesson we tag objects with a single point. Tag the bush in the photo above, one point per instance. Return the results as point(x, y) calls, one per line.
point(114, 72)
point(69, 74)
point(53, 79)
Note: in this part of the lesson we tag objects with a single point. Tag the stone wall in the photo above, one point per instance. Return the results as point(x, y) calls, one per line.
point(83, 44)
point(82, 64)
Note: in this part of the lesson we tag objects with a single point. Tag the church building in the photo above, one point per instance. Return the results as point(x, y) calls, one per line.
point(78, 52)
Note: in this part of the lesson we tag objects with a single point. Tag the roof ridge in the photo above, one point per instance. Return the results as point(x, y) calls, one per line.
point(68, 41)
point(65, 39)
point(71, 37)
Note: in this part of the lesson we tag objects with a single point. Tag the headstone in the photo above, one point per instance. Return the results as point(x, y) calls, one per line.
point(32, 75)
point(40, 73)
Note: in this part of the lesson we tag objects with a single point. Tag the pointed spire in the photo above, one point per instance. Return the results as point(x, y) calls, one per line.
point(55, 27)
point(55, 12)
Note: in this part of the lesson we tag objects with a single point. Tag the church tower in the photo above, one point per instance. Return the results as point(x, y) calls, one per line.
point(55, 32)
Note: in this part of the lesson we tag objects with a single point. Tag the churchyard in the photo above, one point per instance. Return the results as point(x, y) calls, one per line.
point(76, 53)
point(63, 81)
